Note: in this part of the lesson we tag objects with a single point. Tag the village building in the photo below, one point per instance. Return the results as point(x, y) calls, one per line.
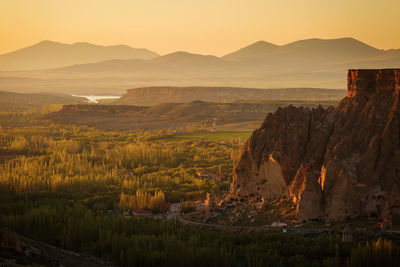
point(347, 235)
point(211, 176)
point(128, 213)
point(142, 212)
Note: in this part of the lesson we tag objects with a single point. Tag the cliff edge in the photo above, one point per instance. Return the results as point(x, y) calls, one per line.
point(332, 164)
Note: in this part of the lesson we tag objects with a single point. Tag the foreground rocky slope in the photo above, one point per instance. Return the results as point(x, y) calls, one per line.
point(333, 164)
point(17, 250)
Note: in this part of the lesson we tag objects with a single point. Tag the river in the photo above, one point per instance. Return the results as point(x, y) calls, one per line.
point(96, 98)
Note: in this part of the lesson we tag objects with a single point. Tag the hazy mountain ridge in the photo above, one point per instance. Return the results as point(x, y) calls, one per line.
point(308, 54)
point(177, 60)
point(307, 63)
point(336, 50)
point(48, 54)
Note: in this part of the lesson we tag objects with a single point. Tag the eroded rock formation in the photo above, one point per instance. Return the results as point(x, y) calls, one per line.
point(334, 163)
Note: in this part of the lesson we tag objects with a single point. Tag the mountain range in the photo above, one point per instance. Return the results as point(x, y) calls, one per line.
point(306, 63)
point(310, 51)
point(48, 54)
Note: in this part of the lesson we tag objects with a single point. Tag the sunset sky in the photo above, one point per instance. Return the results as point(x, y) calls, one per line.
point(199, 26)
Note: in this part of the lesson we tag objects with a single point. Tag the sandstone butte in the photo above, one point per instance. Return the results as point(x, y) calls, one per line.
point(335, 163)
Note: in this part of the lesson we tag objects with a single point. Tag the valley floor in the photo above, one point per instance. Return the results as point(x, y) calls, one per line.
point(68, 186)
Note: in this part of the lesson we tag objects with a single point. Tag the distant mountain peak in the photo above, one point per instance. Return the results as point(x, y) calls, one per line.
point(180, 53)
point(47, 42)
point(262, 43)
point(183, 55)
point(343, 40)
point(84, 43)
point(252, 50)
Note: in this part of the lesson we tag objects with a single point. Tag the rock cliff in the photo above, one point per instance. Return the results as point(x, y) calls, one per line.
point(333, 164)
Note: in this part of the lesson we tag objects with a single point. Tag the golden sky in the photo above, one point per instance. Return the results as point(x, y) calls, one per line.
point(199, 26)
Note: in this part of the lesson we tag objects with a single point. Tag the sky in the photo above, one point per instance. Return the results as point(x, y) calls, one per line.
point(214, 27)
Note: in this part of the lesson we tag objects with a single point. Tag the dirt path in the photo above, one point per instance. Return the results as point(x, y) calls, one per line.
point(253, 229)
point(230, 228)
point(174, 212)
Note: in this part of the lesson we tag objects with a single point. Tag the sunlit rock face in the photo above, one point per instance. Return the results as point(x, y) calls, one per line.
point(334, 163)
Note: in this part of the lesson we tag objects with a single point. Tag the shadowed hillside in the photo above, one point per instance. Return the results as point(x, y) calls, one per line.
point(18, 250)
point(22, 102)
point(157, 95)
point(195, 115)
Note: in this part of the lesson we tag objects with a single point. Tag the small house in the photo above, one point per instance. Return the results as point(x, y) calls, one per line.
point(347, 235)
point(205, 174)
point(128, 213)
point(142, 212)
point(211, 176)
point(219, 177)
